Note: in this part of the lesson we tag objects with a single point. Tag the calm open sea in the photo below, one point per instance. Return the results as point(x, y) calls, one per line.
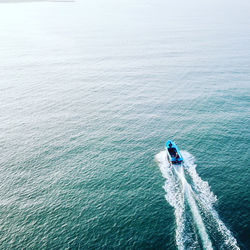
point(89, 93)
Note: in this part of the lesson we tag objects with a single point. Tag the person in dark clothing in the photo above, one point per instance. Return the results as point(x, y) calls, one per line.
point(170, 145)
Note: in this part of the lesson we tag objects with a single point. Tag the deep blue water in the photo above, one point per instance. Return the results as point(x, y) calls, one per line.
point(89, 93)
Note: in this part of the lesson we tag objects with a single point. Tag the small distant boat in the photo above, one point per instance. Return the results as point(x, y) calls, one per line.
point(173, 154)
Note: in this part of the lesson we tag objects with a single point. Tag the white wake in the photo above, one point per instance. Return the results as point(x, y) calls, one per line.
point(175, 197)
point(207, 198)
point(197, 195)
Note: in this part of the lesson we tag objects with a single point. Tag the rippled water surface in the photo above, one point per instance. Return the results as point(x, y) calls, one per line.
point(89, 93)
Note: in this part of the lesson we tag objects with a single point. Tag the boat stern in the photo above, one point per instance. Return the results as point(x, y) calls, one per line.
point(173, 153)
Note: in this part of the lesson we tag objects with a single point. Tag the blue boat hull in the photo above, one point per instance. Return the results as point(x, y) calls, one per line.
point(173, 153)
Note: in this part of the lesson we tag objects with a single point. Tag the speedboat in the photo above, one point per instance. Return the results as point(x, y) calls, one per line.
point(173, 154)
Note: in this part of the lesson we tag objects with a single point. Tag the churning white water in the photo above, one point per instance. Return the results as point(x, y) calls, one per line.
point(193, 199)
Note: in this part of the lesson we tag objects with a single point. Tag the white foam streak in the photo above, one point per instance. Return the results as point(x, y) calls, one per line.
point(174, 196)
point(201, 187)
point(198, 195)
point(207, 198)
point(195, 211)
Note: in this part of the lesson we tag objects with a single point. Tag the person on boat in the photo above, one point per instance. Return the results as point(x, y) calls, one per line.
point(170, 145)
point(176, 155)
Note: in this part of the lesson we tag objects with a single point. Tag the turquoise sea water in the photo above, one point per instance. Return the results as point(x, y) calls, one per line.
point(89, 93)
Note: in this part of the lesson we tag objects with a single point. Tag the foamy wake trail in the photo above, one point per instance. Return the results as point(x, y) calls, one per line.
point(179, 192)
point(174, 195)
point(207, 198)
point(195, 211)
